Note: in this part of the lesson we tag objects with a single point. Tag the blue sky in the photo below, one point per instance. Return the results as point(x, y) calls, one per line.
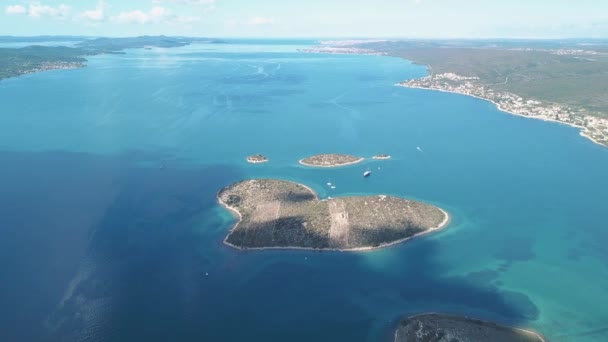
point(308, 18)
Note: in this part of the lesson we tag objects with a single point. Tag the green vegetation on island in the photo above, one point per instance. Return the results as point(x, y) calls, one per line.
point(564, 82)
point(282, 214)
point(112, 45)
point(331, 160)
point(256, 159)
point(19, 61)
point(440, 327)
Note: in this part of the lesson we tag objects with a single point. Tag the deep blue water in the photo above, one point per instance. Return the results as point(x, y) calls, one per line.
point(109, 228)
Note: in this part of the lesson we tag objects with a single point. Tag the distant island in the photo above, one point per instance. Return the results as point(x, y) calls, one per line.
point(343, 47)
point(440, 327)
point(257, 159)
point(282, 214)
point(331, 160)
point(381, 156)
point(36, 58)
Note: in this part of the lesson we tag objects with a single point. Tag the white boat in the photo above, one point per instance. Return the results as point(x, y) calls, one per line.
point(367, 173)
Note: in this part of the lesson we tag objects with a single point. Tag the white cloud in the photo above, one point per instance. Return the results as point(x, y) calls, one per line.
point(37, 10)
point(15, 9)
point(155, 15)
point(261, 21)
point(97, 14)
point(186, 2)
point(206, 5)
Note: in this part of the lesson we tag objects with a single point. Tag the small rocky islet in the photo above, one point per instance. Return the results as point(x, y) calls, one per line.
point(331, 160)
point(257, 159)
point(281, 214)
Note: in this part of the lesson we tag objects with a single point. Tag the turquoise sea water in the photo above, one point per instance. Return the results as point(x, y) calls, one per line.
point(109, 228)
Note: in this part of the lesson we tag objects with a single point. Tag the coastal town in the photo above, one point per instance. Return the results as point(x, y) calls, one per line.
point(341, 50)
point(47, 66)
point(30, 68)
point(592, 127)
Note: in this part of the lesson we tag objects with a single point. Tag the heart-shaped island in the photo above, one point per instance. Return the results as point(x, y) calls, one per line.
point(281, 214)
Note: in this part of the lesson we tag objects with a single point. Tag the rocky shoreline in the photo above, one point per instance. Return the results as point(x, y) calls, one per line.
point(443, 327)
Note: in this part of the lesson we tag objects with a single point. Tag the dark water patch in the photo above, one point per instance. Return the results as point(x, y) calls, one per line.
point(260, 79)
point(601, 334)
point(87, 243)
point(321, 105)
point(361, 103)
point(283, 92)
point(478, 291)
point(504, 266)
point(516, 250)
point(486, 277)
point(575, 254)
point(257, 111)
point(242, 102)
point(370, 78)
point(282, 315)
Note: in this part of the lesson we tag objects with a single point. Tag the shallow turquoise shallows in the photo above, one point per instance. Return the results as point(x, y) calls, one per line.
point(110, 230)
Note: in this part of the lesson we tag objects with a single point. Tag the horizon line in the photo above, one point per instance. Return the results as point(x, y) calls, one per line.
point(320, 37)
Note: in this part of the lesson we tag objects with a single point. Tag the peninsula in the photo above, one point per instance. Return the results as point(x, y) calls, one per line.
point(440, 327)
point(257, 159)
point(282, 214)
point(331, 160)
point(36, 58)
point(561, 81)
point(27, 60)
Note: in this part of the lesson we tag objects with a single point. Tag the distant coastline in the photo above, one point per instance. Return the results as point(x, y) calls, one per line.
point(594, 128)
point(15, 62)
